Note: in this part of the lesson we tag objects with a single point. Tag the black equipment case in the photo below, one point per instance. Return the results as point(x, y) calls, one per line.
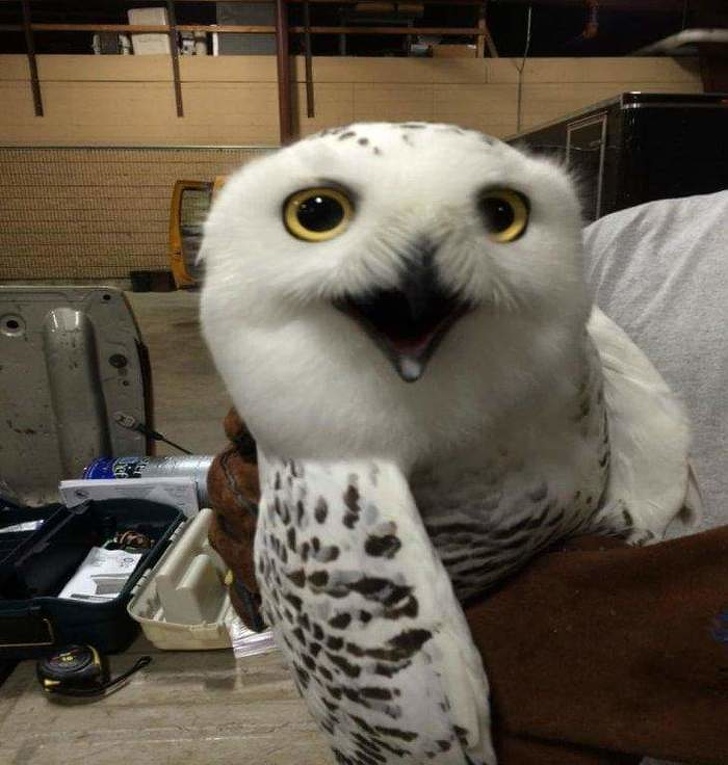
point(36, 563)
point(638, 147)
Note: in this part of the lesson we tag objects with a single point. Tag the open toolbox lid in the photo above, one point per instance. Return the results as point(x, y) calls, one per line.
point(41, 550)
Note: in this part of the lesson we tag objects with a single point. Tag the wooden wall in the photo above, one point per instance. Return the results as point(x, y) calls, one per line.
point(75, 213)
point(107, 100)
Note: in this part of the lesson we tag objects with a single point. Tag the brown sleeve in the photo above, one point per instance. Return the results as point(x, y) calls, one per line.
point(612, 650)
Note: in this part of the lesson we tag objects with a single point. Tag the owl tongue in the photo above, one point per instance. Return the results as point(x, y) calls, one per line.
point(406, 324)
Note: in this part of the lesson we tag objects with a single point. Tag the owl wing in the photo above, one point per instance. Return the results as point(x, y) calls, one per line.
point(650, 474)
point(376, 640)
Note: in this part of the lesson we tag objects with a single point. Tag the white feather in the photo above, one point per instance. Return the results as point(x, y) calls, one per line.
point(649, 434)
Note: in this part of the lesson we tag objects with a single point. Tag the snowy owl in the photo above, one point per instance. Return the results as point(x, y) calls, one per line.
point(400, 315)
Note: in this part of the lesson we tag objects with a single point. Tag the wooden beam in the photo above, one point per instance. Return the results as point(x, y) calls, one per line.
point(251, 29)
point(310, 108)
point(172, 17)
point(32, 63)
point(285, 112)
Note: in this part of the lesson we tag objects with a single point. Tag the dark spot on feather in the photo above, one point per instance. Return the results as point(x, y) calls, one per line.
point(303, 676)
point(294, 600)
point(349, 669)
point(340, 621)
point(363, 724)
point(291, 539)
point(462, 735)
point(319, 578)
point(410, 641)
point(298, 577)
point(348, 134)
point(405, 735)
point(330, 704)
point(363, 142)
point(385, 546)
point(282, 511)
point(351, 498)
point(374, 692)
point(321, 510)
point(354, 649)
point(350, 520)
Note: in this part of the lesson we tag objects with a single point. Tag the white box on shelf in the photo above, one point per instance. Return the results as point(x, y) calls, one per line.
point(153, 43)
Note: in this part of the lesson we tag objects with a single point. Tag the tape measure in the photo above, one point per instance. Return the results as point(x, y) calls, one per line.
point(81, 671)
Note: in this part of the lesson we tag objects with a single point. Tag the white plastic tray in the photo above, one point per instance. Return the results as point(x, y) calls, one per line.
point(183, 604)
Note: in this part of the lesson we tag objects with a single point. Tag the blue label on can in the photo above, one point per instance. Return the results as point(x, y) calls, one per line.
point(116, 467)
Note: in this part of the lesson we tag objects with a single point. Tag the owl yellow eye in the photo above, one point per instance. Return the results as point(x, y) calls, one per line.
point(505, 213)
point(318, 214)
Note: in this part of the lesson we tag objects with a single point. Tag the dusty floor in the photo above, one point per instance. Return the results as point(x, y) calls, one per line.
point(189, 397)
point(195, 707)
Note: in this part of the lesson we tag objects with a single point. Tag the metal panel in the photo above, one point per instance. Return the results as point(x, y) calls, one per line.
point(69, 359)
point(586, 140)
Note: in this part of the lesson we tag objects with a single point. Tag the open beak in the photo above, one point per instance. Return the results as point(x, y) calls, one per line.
point(407, 323)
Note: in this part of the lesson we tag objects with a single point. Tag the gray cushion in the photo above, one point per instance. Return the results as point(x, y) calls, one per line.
point(660, 270)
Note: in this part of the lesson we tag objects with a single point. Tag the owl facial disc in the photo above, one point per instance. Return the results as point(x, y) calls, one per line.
point(407, 323)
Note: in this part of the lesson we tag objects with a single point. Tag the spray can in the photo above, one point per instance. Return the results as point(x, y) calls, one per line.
point(194, 466)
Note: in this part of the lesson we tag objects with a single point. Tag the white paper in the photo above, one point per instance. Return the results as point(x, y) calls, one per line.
point(101, 576)
point(26, 526)
point(180, 492)
point(247, 642)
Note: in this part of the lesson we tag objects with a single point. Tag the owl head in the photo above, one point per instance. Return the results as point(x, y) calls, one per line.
point(392, 265)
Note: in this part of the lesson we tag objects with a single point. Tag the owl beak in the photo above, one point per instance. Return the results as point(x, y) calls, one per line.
point(409, 323)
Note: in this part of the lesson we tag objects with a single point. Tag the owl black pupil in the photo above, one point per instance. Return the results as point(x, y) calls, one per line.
point(320, 213)
point(499, 214)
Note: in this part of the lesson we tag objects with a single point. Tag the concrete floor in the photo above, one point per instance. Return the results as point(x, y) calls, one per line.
point(195, 707)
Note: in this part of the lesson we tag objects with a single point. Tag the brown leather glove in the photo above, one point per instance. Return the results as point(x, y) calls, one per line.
point(597, 653)
point(233, 488)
